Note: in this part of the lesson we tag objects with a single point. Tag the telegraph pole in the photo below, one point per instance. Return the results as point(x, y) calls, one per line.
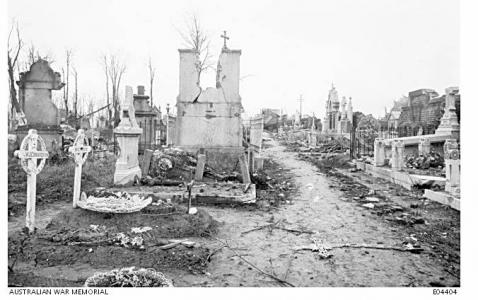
point(301, 100)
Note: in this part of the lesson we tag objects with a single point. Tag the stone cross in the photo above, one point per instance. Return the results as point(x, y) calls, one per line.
point(29, 155)
point(225, 37)
point(80, 150)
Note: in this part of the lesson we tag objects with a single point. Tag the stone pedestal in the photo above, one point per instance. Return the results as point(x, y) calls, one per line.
point(127, 165)
point(398, 149)
point(379, 152)
point(127, 134)
point(452, 167)
point(424, 146)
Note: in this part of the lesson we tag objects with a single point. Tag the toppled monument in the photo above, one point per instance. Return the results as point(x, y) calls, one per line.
point(210, 119)
point(35, 97)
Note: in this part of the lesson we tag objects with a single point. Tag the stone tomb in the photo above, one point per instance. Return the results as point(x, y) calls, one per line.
point(147, 119)
point(127, 134)
point(35, 97)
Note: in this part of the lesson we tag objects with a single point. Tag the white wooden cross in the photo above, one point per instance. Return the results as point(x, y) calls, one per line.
point(80, 150)
point(29, 155)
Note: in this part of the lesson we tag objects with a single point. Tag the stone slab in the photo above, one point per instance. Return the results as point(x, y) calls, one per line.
point(443, 198)
point(205, 192)
point(403, 179)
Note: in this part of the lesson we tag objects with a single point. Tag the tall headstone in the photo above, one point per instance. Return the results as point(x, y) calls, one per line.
point(35, 95)
point(31, 150)
point(452, 166)
point(398, 149)
point(127, 134)
point(379, 152)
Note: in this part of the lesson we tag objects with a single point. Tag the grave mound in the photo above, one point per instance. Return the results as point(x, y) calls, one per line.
point(111, 241)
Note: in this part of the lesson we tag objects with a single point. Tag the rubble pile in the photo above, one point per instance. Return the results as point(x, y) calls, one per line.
point(173, 166)
point(333, 146)
point(273, 185)
point(423, 162)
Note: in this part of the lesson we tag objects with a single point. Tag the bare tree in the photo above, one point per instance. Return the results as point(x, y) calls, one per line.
point(33, 54)
point(13, 53)
point(69, 56)
point(75, 103)
point(116, 70)
point(195, 37)
point(105, 65)
point(152, 72)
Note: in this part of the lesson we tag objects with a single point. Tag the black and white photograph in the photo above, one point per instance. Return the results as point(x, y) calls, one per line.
point(227, 144)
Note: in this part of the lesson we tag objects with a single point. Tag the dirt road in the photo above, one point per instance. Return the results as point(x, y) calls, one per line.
point(319, 208)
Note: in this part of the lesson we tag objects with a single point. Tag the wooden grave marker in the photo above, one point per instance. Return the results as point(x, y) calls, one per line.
point(80, 150)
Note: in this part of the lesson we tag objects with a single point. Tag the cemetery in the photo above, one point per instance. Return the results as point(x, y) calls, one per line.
point(207, 192)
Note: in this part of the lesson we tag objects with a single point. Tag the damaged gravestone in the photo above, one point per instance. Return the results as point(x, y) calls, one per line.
point(29, 155)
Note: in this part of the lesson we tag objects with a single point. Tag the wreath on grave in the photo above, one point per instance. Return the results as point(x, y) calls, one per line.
point(118, 203)
point(129, 277)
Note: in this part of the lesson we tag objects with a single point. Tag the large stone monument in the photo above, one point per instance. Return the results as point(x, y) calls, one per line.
point(127, 134)
point(210, 118)
point(35, 94)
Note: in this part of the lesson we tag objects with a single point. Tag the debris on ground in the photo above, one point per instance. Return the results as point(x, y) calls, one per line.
point(173, 166)
point(424, 161)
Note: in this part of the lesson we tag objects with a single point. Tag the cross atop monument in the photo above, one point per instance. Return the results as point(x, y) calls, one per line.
point(225, 37)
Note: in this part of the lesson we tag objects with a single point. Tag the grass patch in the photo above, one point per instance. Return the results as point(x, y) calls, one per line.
point(55, 181)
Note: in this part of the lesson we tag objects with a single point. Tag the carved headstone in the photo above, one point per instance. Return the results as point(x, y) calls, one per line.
point(35, 97)
point(452, 166)
point(449, 121)
point(127, 134)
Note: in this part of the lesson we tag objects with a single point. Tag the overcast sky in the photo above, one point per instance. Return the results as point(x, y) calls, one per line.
point(373, 51)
